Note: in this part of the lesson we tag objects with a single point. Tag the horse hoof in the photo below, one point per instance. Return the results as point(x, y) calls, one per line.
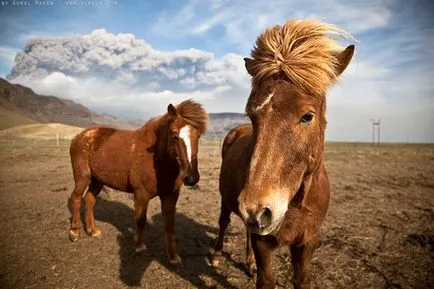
point(214, 262)
point(175, 261)
point(74, 235)
point(213, 257)
point(140, 248)
point(95, 233)
point(252, 269)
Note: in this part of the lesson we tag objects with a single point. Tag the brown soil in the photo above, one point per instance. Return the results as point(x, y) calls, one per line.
point(379, 232)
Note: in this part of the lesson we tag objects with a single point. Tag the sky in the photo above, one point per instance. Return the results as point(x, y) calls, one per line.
point(133, 58)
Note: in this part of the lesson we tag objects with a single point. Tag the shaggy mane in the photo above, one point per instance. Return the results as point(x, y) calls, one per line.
point(305, 50)
point(194, 114)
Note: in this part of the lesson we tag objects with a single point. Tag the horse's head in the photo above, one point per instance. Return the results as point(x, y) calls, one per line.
point(187, 122)
point(287, 110)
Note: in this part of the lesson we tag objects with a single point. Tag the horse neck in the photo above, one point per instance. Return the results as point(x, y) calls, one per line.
point(155, 131)
point(162, 133)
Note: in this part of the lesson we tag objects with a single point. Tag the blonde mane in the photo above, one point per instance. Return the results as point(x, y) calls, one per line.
point(305, 50)
point(194, 114)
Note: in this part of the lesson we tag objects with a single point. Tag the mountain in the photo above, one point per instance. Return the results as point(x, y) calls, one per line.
point(11, 119)
point(221, 123)
point(20, 105)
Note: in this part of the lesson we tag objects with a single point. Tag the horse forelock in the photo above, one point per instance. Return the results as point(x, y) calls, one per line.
point(193, 114)
point(305, 51)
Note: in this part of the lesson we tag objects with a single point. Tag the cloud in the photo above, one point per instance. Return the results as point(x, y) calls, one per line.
point(241, 21)
point(118, 72)
point(390, 77)
point(7, 55)
point(107, 55)
point(125, 59)
point(115, 97)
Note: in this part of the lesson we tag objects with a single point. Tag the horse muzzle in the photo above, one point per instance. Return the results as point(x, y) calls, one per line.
point(263, 212)
point(262, 222)
point(190, 180)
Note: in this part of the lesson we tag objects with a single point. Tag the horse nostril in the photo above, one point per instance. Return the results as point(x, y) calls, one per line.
point(265, 218)
point(253, 223)
point(188, 180)
point(262, 219)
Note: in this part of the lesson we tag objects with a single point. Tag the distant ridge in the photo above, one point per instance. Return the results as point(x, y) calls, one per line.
point(20, 105)
point(221, 123)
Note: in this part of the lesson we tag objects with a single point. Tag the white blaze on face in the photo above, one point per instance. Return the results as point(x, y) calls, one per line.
point(267, 100)
point(184, 134)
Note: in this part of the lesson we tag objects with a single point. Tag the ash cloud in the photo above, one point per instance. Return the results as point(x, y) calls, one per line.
point(125, 59)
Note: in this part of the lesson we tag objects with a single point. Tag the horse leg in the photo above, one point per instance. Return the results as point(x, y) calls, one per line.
point(141, 201)
point(76, 196)
point(250, 258)
point(263, 254)
point(224, 220)
point(168, 208)
point(301, 257)
point(95, 188)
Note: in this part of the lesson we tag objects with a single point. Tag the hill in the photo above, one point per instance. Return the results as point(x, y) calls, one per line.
point(221, 123)
point(9, 119)
point(40, 131)
point(20, 103)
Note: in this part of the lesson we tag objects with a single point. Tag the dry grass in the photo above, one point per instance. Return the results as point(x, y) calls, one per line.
point(9, 119)
point(40, 131)
point(379, 232)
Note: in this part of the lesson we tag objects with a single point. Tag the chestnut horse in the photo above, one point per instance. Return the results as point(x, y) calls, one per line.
point(272, 173)
point(152, 161)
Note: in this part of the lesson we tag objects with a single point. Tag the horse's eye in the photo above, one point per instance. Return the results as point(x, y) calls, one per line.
point(307, 117)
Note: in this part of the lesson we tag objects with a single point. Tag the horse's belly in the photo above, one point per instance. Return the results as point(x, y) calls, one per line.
point(114, 180)
point(112, 172)
point(119, 184)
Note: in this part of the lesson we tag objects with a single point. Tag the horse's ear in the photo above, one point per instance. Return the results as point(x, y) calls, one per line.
point(250, 65)
point(171, 110)
point(344, 59)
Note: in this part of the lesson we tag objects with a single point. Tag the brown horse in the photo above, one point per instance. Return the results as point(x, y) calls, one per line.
point(152, 161)
point(272, 173)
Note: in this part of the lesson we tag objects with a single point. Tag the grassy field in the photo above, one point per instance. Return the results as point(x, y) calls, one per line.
point(379, 232)
point(9, 119)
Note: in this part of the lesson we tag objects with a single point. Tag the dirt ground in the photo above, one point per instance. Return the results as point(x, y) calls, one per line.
point(379, 232)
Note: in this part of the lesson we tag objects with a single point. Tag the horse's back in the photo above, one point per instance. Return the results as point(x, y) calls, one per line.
point(105, 154)
point(91, 137)
point(234, 134)
point(235, 162)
